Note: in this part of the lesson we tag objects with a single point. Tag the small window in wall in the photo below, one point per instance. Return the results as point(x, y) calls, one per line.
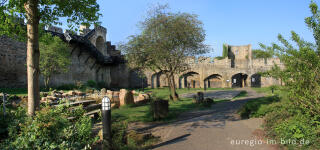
point(253, 79)
point(234, 80)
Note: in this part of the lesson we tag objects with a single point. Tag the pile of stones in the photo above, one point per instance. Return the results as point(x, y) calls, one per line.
point(55, 96)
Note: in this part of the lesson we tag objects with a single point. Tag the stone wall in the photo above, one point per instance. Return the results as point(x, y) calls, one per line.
point(220, 73)
point(96, 59)
point(13, 70)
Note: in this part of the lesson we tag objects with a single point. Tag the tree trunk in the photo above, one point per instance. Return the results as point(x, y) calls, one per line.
point(172, 85)
point(31, 7)
point(46, 82)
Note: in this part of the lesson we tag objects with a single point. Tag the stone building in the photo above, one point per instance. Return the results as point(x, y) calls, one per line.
point(236, 70)
point(92, 58)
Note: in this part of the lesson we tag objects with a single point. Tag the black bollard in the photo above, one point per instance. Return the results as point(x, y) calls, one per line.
point(106, 123)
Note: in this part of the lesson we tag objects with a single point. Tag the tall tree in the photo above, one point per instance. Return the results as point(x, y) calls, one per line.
point(45, 12)
point(54, 58)
point(165, 41)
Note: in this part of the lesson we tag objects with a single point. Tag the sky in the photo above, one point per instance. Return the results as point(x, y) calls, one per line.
point(235, 22)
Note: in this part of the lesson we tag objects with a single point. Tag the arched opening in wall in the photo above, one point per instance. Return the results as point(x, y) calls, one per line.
point(256, 80)
point(159, 80)
point(154, 80)
point(100, 43)
point(213, 81)
point(239, 80)
point(180, 82)
point(190, 79)
point(162, 79)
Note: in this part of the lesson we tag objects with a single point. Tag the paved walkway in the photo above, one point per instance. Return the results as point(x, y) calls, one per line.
point(220, 130)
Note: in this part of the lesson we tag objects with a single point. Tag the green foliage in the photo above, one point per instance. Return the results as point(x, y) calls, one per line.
point(165, 41)
point(50, 128)
point(91, 83)
point(54, 57)
point(257, 107)
point(285, 122)
point(241, 94)
point(219, 57)
point(258, 53)
point(178, 35)
point(225, 51)
point(67, 87)
point(13, 14)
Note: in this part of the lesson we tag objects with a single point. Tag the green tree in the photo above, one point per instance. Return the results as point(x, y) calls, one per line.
point(225, 51)
point(54, 57)
point(165, 41)
point(45, 12)
point(301, 72)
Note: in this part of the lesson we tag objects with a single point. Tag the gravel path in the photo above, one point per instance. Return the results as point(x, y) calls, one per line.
point(222, 129)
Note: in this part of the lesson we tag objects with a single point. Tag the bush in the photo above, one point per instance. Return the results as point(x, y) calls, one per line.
point(91, 83)
point(258, 107)
point(67, 87)
point(50, 128)
point(289, 123)
point(101, 85)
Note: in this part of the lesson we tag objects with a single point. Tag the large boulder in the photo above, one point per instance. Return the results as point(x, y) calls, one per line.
point(126, 97)
point(141, 98)
point(71, 93)
point(79, 93)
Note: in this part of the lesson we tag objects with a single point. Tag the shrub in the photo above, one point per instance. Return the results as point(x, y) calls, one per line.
point(288, 123)
point(257, 107)
point(101, 85)
point(67, 87)
point(50, 128)
point(91, 83)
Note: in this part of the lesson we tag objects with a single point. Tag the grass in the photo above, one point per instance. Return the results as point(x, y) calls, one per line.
point(15, 91)
point(141, 113)
point(257, 107)
point(241, 94)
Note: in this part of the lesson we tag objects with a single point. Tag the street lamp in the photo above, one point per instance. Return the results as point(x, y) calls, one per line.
point(106, 122)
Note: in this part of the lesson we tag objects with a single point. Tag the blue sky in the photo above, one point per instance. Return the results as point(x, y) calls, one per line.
point(235, 22)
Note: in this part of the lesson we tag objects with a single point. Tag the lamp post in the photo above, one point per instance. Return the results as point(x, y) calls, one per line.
point(106, 123)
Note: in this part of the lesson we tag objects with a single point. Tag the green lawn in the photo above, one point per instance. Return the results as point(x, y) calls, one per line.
point(141, 113)
point(15, 91)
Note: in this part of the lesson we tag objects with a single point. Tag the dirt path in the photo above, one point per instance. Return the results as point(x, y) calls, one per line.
point(222, 129)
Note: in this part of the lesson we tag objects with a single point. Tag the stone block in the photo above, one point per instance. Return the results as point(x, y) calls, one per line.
point(160, 109)
point(126, 97)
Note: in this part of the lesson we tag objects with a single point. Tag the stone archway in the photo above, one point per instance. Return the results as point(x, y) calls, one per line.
point(100, 43)
point(189, 79)
point(154, 80)
point(159, 80)
point(256, 80)
point(213, 81)
point(239, 80)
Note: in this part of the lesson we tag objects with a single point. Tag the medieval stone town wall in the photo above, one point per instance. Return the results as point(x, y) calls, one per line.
point(83, 66)
point(214, 73)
